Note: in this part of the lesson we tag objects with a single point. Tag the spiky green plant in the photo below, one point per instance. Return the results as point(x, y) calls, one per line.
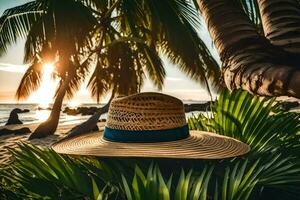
point(270, 171)
point(254, 120)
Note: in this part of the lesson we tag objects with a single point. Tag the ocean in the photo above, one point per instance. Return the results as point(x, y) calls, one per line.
point(38, 115)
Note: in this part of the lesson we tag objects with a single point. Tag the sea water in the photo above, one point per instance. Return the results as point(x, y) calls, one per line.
point(36, 115)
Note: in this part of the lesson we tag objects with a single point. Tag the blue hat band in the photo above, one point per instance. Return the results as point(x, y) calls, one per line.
point(147, 136)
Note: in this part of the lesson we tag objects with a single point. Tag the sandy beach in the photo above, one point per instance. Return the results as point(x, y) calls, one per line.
point(11, 141)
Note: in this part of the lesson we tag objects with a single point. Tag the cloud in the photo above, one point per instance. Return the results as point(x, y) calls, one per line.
point(7, 67)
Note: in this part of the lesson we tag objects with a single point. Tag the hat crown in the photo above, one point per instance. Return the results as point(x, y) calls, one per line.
point(146, 111)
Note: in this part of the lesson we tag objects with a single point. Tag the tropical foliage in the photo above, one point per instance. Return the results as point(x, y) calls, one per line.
point(270, 171)
point(259, 122)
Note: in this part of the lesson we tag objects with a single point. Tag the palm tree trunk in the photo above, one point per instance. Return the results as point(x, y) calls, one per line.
point(249, 60)
point(50, 125)
point(90, 125)
point(281, 23)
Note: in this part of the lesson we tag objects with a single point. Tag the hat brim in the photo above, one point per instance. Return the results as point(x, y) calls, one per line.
point(199, 145)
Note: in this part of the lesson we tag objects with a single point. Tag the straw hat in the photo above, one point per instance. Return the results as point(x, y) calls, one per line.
point(150, 125)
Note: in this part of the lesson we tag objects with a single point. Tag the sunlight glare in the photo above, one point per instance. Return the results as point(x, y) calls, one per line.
point(48, 69)
point(73, 104)
point(42, 115)
point(44, 95)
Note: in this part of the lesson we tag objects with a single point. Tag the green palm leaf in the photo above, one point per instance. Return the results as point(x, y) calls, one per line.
point(38, 173)
point(252, 120)
point(251, 9)
point(16, 22)
point(48, 174)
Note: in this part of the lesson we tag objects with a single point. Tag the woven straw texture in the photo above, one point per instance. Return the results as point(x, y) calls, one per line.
point(151, 111)
point(200, 145)
point(146, 111)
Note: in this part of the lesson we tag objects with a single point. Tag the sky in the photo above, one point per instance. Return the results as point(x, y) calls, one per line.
point(12, 69)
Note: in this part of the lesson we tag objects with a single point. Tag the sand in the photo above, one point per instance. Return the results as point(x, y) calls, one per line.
point(11, 141)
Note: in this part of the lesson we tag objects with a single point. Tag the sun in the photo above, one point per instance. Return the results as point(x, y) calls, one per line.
point(48, 69)
point(44, 95)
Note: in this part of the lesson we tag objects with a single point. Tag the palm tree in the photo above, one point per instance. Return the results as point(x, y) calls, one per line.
point(143, 26)
point(122, 41)
point(262, 64)
point(54, 32)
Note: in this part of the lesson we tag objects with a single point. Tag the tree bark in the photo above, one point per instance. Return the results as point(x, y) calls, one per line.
point(50, 125)
point(249, 60)
point(281, 23)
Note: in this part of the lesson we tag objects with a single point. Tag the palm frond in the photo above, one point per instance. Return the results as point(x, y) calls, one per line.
point(173, 20)
point(122, 64)
point(100, 81)
point(251, 9)
point(78, 72)
point(16, 22)
point(152, 63)
point(55, 176)
point(165, 23)
point(38, 40)
point(64, 26)
point(252, 120)
point(62, 177)
point(30, 80)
